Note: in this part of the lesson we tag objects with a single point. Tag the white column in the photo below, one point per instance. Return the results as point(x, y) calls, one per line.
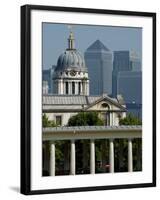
point(60, 86)
point(87, 87)
point(62, 91)
point(76, 87)
point(130, 156)
point(52, 158)
point(73, 158)
point(111, 155)
point(92, 157)
point(70, 87)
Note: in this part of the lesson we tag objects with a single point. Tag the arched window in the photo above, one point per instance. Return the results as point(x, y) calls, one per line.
point(105, 105)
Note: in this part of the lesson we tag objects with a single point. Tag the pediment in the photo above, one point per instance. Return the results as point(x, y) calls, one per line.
point(104, 104)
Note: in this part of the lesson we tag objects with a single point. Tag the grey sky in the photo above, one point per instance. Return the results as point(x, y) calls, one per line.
point(115, 38)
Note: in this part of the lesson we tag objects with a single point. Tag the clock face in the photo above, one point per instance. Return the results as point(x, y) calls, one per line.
point(72, 73)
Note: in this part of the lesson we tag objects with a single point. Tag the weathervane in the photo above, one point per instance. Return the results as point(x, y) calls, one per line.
point(70, 27)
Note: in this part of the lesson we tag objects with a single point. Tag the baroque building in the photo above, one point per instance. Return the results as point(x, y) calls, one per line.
point(71, 74)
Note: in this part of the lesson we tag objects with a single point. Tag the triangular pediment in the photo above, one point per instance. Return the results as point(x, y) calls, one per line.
point(106, 103)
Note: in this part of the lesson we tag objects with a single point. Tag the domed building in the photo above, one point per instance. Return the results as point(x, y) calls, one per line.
point(71, 92)
point(71, 74)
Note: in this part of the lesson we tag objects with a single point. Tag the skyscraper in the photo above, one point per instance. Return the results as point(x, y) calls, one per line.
point(135, 62)
point(99, 62)
point(127, 80)
point(129, 85)
point(121, 62)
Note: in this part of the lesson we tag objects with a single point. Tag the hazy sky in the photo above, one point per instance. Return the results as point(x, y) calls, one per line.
point(115, 38)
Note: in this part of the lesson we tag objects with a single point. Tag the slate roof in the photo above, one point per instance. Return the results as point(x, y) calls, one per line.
point(69, 99)
point(77, 100)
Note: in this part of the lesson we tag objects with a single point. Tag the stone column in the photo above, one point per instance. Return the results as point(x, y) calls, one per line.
point(60, 86)
point(130, 156)
point(76, 87)
point(87, 87)
point(52, 158)
point(111, 155)
point(70, 87)
point(92, 157)
point(73, 158)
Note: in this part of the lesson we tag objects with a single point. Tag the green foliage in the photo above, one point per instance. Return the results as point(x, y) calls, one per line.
point(46, 122)
point(85, 119)
point(130, 120)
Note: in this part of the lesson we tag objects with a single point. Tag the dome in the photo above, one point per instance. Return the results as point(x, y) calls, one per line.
point(71, 59)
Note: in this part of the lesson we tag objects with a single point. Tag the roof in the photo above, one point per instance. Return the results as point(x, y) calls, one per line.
point(97, 45)
point(58, 102)
point(69, 59)
point(69, 99)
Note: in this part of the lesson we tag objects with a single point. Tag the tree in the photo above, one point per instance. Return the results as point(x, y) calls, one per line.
point(137, 144)
point(85, 119)
point(46, 122)
point(130, 120)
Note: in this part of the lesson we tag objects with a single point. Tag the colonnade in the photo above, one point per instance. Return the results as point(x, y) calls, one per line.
point(92, 156)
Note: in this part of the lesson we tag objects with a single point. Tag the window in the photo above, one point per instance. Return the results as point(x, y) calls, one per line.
point(73, 87)
point(79, 88)
point(105, 105)
point(58, 120)
point(66, 87)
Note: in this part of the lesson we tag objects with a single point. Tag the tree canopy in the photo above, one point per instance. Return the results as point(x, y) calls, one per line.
point(130, 120)
point(85, 119)
point(46, 122)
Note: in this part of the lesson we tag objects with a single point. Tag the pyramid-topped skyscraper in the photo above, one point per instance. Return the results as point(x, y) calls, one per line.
point(99, 62)
point(97, 45)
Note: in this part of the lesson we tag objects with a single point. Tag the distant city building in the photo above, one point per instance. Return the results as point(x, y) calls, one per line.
point(135, 109)
point(47, 77)
point(135, 61)
point(99, 61)
point(127, 80)
point(129, 85)
point(45, 87)
point(121, 61)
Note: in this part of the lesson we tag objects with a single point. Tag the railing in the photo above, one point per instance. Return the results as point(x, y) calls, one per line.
point(92, 133)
